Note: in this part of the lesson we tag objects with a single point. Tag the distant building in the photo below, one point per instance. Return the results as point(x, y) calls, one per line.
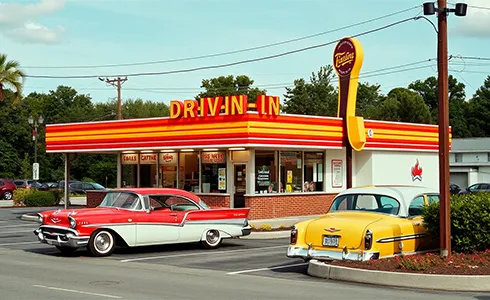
point(469, 161)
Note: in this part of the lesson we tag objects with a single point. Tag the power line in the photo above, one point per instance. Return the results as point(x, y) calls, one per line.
point(269, 86)
point(228, 52)
point(227, 64)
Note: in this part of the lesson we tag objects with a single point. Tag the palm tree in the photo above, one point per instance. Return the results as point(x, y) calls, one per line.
point(10, 76)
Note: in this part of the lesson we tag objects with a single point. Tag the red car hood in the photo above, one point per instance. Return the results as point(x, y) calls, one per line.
point(60, 217)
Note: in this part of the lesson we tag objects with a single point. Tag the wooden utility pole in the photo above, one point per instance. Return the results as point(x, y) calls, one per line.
point(442, 65)
point(117, 82)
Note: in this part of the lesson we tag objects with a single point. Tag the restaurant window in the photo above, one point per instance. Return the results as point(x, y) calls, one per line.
point(148, 169)
point(129, 163)
point(265, 172)
point(291, 171)
point(189, 171)
point(168, 169)
point(213, 172)
point(313, 172)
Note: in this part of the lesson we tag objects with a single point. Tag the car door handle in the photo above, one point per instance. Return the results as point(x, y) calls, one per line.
point(173, 215)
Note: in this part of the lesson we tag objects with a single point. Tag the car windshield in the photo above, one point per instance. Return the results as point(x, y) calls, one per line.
point(121, 200)
point(98, 186)
point(366, 203)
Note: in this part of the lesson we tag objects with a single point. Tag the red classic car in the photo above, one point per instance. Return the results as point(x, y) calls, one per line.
point(141, 217)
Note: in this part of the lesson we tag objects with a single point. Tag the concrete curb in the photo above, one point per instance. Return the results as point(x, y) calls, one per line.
point(460, 283)
point(28, 217)
point(266, 235)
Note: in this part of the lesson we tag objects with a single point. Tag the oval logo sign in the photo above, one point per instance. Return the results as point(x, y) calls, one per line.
point(344, 57)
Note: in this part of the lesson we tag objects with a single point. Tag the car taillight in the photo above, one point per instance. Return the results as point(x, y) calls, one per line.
point(28, 186)
point(294, 235)
point(368, 240)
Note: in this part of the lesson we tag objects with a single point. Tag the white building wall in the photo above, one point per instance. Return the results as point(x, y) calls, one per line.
point(329, 156)
point(483, 175)
point(362, 168)
point(475, 157)
point(395, 167)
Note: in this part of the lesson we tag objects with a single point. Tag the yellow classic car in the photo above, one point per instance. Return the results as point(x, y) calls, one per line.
point(366, 223)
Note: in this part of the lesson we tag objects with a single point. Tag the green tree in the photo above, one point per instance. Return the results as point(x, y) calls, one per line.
point(137, 108)
point(318, 97)
point(404, 105)
point(478, 111)
point(428, 89)
point(369, 98)
point(11, 76)
point(229, 85)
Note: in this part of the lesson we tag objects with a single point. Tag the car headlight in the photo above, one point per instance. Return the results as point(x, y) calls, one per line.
point(40, 218)
point(73, 222)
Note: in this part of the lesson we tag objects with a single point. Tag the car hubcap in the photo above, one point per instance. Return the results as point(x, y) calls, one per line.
point(212, 237)
point(8, 196)
point(103, 242)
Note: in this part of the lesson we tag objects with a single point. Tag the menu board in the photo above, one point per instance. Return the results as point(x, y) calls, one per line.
point(337, 173)
point(263, 176)
point(222, 179)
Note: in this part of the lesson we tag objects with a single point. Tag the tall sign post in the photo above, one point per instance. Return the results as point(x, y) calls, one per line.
point(347, 60)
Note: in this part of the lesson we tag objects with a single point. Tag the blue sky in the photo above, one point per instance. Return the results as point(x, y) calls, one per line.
point(58, 33)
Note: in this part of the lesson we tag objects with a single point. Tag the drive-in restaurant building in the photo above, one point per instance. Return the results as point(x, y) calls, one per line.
point(234, 152)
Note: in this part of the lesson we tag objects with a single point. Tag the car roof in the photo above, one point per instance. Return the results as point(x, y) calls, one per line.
point(403, 193)
point(154, 191)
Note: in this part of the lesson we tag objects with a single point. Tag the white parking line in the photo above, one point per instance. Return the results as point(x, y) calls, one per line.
point(19, 243)
point(19, 225)
point(75, 291)
point(17, 231)
point(202, 253)
point(266, 269)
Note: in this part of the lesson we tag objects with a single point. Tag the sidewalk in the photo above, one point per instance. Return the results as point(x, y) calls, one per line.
point(74, 201)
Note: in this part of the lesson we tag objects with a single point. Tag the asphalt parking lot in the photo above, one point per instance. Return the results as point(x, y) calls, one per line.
point(237, 256)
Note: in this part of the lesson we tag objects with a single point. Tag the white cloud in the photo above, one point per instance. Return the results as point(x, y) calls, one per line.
point(35, 33)
point(16, 21)
point(477, 21)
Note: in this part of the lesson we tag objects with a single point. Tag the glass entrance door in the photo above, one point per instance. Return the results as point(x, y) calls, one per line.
point(240, 185)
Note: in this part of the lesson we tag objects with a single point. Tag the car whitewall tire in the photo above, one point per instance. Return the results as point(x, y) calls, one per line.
point(7, 195)
point(212, 239)
point(102, 243)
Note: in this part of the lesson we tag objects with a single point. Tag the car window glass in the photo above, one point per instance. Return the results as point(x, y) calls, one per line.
point(172, 202)
point(415, 208)
point(87, 186)
point(483, 187)
point(366, 202)
point(344, 202)
point(389, 205)
point(474, 187)
point(433, 198)
point(19, 182)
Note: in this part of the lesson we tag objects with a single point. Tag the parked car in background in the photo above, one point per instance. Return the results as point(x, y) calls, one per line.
point(454, 189)
point(23, 183)
point(46, 186)
point(7, 189)
point(141, 217)
point(366, 223)
point(477, 188)
point(83, 187)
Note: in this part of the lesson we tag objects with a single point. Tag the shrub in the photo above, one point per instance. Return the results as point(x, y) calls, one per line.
point(266, 227)
point(20, 195)
point(58, 195)
point(40, 198)
point(470, 221)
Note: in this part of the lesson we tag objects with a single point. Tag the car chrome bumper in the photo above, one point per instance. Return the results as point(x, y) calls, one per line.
point(310, 253)
point(246, 230)
point(57, 237)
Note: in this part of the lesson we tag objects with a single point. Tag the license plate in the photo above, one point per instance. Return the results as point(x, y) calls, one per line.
point(330, 241)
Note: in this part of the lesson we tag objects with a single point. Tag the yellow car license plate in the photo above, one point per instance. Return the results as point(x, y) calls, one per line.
point(330, 241)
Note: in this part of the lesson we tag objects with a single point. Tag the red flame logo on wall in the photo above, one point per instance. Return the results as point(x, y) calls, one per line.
point(417, 172)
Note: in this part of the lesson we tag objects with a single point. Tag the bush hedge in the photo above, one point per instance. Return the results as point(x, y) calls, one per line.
point(470, 221)
point(20, 195)
point(40, 198)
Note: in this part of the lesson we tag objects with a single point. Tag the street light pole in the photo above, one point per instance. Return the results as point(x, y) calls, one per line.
point(35, 123)
point(443, 117)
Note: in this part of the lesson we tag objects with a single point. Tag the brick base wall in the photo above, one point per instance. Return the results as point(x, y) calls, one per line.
point(216, 200)
point(279, 206)
point(94, 198)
